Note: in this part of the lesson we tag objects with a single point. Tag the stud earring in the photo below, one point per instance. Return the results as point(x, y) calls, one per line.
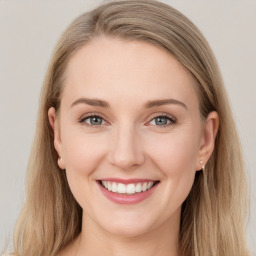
point(203, 167)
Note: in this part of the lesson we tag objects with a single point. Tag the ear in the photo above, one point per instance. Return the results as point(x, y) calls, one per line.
point(210, 129)
point(56, 134)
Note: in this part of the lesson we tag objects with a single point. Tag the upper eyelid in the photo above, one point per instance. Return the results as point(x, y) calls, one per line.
point(92, 114)
point(164, 115)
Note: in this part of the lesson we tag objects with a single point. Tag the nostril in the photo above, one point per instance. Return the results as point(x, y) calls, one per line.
point(126, 153)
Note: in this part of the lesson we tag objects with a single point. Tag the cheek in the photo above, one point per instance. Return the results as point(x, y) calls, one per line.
point(81, 153)
point(175, 156)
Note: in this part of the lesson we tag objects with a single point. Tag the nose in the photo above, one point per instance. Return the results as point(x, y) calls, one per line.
point(126, 150)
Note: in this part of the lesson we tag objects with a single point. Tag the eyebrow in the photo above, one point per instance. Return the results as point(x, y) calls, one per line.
point(156, 103)
point(92, 102)
point(149, 104)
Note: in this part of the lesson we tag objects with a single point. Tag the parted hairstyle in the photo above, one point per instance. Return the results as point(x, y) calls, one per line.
point(213, 215)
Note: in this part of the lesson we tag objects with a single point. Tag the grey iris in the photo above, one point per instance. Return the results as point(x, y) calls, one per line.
point(161, 120)
point(95, 120)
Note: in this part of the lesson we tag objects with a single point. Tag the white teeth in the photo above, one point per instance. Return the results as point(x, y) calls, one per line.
point(121, 188)
point(129, 189)
point(150, 185)
point(114, 187)
point(138, 188)
point(109, 186)
point(144, 186)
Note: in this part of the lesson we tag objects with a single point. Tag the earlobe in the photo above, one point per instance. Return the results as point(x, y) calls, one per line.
point(209, 134)
point(56, 134)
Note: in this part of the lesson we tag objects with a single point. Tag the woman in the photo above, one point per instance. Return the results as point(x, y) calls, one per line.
point(136, 151)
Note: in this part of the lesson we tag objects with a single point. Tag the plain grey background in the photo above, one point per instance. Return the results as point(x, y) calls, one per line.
point(28, 33)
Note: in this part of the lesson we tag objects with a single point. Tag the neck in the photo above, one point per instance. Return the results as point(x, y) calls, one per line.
point(163, 241)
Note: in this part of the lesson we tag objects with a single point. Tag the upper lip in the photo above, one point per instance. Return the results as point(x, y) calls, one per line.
point(128, 181)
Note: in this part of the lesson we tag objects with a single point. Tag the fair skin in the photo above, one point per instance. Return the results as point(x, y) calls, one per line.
point(128, 141)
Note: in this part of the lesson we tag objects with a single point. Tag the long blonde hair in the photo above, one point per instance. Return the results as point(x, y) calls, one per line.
point(212, 220)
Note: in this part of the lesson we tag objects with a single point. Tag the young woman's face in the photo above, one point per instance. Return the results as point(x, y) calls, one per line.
point(129, 121)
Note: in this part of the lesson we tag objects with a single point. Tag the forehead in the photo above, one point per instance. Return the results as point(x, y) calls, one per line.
point(111, 68)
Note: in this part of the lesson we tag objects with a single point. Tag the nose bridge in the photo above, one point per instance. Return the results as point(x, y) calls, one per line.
point(127, 149)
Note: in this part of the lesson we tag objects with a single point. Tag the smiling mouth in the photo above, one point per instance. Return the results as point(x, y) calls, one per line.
point(127, 189)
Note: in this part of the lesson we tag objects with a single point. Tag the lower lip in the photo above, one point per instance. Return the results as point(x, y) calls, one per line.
point(127, 199)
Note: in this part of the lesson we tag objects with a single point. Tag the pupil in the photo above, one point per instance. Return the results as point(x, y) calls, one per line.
point(96, 120)
point(161, 121)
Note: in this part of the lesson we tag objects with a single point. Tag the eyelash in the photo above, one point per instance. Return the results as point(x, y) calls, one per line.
point(170, 118)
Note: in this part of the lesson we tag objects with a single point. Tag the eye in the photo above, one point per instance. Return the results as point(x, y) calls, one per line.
point(93, 120)
point(163, 120)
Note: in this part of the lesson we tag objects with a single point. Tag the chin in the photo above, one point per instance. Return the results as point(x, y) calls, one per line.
point(127, 226)
point(128, 231)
